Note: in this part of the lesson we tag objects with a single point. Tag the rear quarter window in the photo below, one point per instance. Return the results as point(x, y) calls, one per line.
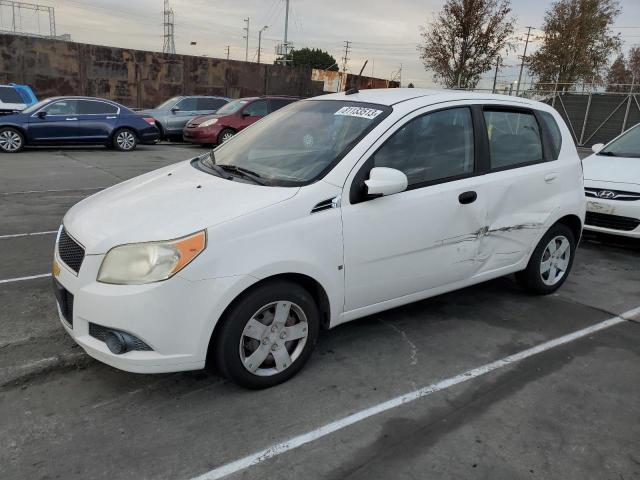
point(10, 95)
point(554, 131)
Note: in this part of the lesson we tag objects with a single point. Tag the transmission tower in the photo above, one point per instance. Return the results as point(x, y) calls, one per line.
point(169, 45)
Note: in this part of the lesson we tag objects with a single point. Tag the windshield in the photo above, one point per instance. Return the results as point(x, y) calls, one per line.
point(168, 103)
point(232, 107)
point(36, 106)
point(628, 145)
point(301, 142)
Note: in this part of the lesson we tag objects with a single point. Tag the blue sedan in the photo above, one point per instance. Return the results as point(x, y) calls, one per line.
point(76, 121)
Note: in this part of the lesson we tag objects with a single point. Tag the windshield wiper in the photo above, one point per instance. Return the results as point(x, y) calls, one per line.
point(243, 172)
point(607, 154)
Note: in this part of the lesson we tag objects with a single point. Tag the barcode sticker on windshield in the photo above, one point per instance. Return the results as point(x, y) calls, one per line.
point(368, 113)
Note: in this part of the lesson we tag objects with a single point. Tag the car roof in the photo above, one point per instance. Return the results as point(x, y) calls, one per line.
point(393, 96)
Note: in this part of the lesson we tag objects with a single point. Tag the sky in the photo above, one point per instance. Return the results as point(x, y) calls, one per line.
point(386, 33)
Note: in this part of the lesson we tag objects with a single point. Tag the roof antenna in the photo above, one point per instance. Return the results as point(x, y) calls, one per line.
point(352, 91)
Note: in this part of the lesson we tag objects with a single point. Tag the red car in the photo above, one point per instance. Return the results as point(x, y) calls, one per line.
point(231, 118)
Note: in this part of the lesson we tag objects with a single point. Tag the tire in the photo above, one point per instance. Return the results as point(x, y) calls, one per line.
point(161, 130)
point(125, 140)
point(225, 135)
point(11, 140)
point(543, 280)
point(247, 329)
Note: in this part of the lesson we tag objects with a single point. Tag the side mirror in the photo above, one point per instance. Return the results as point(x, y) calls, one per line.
point(386, 181)
point(175, 109)
point(41, 114)
point(597, 147)
point(246, 114)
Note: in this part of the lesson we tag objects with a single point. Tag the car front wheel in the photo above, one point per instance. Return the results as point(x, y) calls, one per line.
point(225, 135)
point(11, 140)
point(267, 335)
point(125, 140)
point(550, 262)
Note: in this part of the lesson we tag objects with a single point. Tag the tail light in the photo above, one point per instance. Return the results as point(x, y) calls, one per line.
point(150, 120)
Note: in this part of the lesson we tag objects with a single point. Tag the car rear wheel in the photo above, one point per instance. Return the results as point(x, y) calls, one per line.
point(267, 335)
point(225, 135)
point(125, 140)
point(550, 262)
point(11, 140)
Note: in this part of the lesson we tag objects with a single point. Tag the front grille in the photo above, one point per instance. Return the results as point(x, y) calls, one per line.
point(70, 251)
point(613, 222)
point(617, 194)
point(65, 301)
point(99, 332)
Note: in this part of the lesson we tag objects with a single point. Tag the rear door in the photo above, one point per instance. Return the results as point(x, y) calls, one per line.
point(523, 183)
point(187, 109)
point(253, 112)
point(59, 125)
point(96, 120)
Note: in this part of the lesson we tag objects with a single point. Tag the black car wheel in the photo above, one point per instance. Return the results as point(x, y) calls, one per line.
point(267, 335)
point(125, 140)
point(11, 140)
point(225, 135)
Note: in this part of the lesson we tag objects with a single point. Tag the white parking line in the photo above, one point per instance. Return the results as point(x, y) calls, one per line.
point(16, 235)
point(22, 279)
point(295, 442)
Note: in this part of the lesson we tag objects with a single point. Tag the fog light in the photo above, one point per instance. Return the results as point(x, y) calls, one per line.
point(116, 342)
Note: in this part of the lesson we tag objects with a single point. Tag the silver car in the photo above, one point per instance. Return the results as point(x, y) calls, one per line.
point(172, 115)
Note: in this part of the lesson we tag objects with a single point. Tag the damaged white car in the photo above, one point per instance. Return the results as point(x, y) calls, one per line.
point(328, 210)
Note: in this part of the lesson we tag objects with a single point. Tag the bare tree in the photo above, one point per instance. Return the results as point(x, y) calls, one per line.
point(634, 64)
point(465, 39)
point(578, 42)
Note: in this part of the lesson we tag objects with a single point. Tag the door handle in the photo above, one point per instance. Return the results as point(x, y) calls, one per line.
point(68, 119)
point(550, 177)
point(467, 197)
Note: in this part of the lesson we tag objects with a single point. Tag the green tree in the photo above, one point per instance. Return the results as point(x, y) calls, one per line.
point(465, 39)
point(578, 42)
point(619, 76)
point(314, 58)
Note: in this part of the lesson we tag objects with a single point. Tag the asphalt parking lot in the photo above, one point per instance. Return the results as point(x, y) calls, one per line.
point(566, 411)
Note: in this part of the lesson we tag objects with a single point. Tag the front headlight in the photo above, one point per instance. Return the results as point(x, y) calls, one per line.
point(208, 123)
point(140, 263)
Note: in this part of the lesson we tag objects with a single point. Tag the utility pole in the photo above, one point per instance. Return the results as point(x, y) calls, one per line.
point(228, 46)
point(260, 40)
point(246, 37)
point(524, 57)
point(345, 59)
point(169, 45)
point(286, 33)
point(495, 77)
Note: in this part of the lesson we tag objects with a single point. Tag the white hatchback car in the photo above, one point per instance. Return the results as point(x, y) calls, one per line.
point(612, 186)
point(328, 210)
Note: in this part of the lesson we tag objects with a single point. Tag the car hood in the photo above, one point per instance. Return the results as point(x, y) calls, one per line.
point(612, 169)
point(164, 204)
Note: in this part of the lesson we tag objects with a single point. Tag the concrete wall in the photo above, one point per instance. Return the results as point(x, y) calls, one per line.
point(138, 78)
point(338, 81)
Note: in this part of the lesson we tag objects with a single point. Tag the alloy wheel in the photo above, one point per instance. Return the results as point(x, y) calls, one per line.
point(273, 338)
point(126, 140)
point(10, 141)
point(555, 260)
point(226, 136)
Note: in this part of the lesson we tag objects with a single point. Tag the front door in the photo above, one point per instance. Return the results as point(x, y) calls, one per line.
point(58, 124)
point(425, 237)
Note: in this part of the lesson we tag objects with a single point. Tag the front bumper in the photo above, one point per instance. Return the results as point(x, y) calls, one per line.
point(603, 208)
point(175, 317)
point(202, 135)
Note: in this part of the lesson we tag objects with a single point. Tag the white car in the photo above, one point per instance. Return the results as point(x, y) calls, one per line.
point(612, 186)
point(328, 210)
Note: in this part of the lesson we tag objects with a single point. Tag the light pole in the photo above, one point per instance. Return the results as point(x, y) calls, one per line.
point(260, 40)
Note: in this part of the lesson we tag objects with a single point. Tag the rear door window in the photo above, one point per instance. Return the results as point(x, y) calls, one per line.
point(86, 107)
point(188, 104)
point(10, 95)
point(278, 103)
point(514, 138)
point(257, 108)
point(205, 103)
